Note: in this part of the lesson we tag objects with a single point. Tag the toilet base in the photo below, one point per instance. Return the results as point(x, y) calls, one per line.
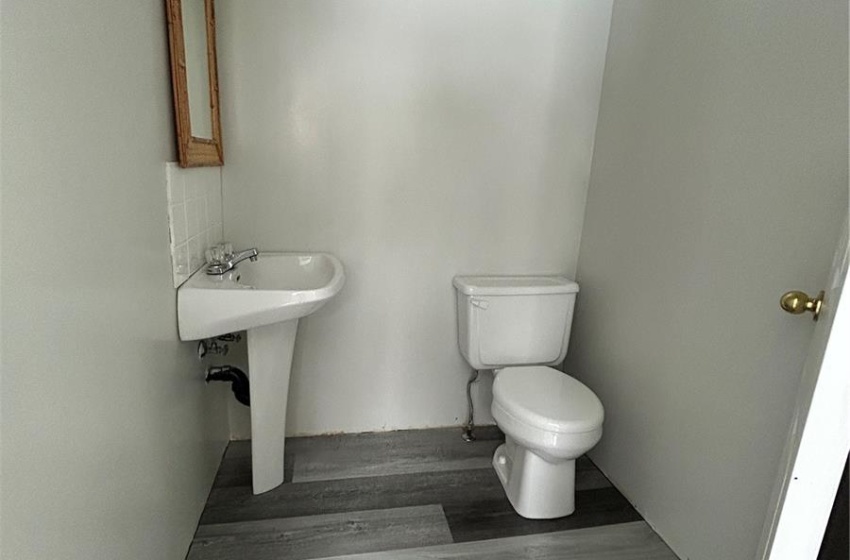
point(536, 488)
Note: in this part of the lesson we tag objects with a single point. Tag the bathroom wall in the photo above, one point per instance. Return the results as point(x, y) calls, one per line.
point(110, 436)
point(416, 140)
point(719, 182)
point(1, 287)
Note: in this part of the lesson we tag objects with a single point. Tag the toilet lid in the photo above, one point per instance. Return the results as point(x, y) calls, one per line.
point(548, 399)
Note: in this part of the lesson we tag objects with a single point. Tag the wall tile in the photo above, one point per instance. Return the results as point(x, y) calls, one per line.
point(202, 214)
point(177, 224)
point(214, 187)
point(191, 184)
point(197, 245)
point(180, 263)
point(214, 236)
point(214, 208)
point(193, 217)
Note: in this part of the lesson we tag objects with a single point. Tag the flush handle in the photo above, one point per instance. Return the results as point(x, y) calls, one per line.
point(480, 303)
point(797, 302)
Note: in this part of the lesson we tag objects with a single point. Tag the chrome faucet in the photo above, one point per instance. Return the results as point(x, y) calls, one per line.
point(230, 261)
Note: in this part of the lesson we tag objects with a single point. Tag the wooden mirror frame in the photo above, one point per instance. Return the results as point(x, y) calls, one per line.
point(193, 151)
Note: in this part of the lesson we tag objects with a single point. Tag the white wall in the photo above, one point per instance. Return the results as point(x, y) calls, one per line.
point(719, 181)
point(414, 139)
point(1, 285)
point(110, 437)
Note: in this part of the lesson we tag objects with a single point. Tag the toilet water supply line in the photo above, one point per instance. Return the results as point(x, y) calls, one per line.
point(470, 421)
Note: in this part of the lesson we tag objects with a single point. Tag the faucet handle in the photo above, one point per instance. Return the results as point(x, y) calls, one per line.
point(213, 255)
point(220, 253)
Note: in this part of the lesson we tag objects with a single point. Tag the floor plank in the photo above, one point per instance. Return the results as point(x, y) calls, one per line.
point(297, 538)
point(235, 468)
point(627, 541)
point(237, 503)
point(496, 518)
point(388, 453)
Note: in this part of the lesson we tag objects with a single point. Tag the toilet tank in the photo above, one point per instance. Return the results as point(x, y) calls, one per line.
point(514, 320)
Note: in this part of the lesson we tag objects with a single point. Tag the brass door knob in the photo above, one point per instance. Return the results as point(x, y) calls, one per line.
point(797, 302)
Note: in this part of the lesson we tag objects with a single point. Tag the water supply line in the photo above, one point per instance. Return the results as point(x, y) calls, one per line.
point(237, 378)
point(468, 434)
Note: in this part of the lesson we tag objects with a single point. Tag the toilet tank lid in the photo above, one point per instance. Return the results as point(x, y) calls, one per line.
point(514, 285)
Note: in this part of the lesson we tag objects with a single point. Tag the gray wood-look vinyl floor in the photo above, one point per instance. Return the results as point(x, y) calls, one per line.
point(409, 494)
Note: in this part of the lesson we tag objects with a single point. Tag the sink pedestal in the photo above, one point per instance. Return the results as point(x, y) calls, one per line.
point(269, 365)
point(265, 298)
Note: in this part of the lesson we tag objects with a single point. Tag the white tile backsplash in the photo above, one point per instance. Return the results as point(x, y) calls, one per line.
point(194, 216)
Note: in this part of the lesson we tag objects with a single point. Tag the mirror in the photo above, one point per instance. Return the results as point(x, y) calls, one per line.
point(194, 77)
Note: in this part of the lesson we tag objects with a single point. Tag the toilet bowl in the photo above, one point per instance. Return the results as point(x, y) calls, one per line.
point(549, 420)
point(517, 326)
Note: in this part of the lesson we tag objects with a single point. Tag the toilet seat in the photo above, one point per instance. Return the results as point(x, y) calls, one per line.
point(545, 399)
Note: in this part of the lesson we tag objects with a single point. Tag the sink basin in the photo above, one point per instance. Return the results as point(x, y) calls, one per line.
point(265, 298)
point(277, 287)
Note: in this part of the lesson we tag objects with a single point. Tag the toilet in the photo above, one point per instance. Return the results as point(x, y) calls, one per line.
point(518, 326)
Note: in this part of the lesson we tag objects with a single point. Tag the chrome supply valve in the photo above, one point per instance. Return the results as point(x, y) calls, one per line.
point(230, 337)
point(221, 258)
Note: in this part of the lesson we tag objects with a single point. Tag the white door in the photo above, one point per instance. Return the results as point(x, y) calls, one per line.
point(819, 439)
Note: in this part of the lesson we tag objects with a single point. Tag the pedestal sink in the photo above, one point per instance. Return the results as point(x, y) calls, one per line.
point(266, 298)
